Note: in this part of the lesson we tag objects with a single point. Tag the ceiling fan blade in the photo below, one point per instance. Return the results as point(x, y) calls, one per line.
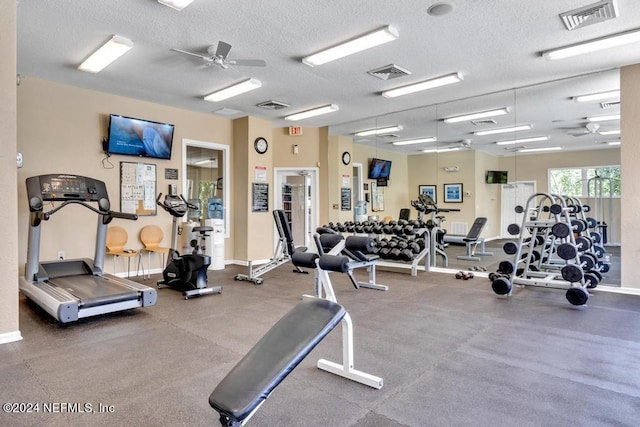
point(197, 55)
point(223, 49)
point(248, 62)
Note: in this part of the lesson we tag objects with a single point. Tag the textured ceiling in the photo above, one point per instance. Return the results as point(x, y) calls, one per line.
point(495, 44)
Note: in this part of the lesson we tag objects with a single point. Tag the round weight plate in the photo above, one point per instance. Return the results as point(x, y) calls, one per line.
point(519, 209)
point(572, 273)
point(510, 248)
point(597, 274)
point(604, 266)
point(586, 262)
point(586, 208)
point(501, 285)
point(595, 237)
point(583, 243)
point(599, 251)
point(577, 225)
point(591, 222)
point(506, 267)
point(567, 251)
point(577, 296)
point(556, 209)
point(513, 229)
point(560, 230)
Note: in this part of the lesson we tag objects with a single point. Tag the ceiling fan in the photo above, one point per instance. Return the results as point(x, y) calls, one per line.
point(218, 55)
point(589, 129)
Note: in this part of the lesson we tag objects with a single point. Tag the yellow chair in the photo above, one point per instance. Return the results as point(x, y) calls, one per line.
point(117, 238)
point(151, 236)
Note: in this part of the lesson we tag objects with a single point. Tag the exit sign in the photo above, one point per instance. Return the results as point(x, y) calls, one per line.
point(295, 130)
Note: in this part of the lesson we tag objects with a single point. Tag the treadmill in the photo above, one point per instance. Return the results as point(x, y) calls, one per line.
point(73, 289)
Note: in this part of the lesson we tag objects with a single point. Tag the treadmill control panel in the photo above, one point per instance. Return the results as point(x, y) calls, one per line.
point(64, 187)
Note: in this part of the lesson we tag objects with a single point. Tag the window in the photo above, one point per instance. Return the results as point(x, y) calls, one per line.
point(586, 181)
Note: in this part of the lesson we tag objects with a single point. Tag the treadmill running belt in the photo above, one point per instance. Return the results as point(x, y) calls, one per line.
point(94, 290)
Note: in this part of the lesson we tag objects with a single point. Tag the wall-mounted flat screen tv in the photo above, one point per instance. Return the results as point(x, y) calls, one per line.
point(496, 177)
point(379, 168)
point(137, 137)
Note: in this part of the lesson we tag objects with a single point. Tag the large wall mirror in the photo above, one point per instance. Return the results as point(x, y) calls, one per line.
point(205, 184)
point(583, 160)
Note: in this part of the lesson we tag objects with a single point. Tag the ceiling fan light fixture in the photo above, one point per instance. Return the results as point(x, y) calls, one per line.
point(502, 130)
point(604, 118)
point(478, 115)
point(325, 109)
point(522, 140)
point(106, 54)
point(595, 45)
point(358, 44)
point(424, 85)
point(534, 150)
point(415, 141)
point(379, 131)
point(233, 90)
point(597, 96)
point(176, 4)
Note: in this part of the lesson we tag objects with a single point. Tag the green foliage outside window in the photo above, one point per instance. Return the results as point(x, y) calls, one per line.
point(587, 181)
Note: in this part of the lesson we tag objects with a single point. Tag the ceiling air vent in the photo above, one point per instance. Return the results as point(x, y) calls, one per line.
point(389, 72)
point(591, 14)
point(483, 122)
point(609, 104)
point(273, 105)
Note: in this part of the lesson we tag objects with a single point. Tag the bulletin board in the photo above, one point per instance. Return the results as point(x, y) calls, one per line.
point(138, 188)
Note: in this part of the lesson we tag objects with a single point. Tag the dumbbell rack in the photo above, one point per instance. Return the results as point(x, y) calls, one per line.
point(547, 221)
point(421, 232)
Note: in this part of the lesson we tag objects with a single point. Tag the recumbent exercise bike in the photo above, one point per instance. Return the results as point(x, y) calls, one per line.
point(186, 273)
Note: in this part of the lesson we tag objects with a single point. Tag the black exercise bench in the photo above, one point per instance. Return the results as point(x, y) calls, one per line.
point(471, 241)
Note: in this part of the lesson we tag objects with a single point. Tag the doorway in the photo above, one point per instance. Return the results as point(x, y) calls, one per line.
point(514, 194)
point(296, 192)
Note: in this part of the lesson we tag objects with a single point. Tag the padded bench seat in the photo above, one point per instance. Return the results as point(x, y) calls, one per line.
point(269, 362)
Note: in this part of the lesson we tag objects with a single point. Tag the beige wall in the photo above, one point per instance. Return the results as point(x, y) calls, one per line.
point(8, 190)
point(60, 129)
point(630, 153)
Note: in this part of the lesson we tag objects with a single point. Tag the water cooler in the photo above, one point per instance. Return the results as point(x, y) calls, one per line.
point(215, 243)
point(360, 212)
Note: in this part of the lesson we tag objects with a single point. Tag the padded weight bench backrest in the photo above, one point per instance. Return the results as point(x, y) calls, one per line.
point(284, 230)
point(476, 229)
point(283, 347)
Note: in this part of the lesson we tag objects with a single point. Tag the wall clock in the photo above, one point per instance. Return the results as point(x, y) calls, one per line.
point(261, 145)
point(346, 157)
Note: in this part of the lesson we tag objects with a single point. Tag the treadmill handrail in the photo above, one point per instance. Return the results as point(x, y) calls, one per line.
point(107, 213)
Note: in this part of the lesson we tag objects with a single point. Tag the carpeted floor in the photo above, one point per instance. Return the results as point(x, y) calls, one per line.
point(451, 353)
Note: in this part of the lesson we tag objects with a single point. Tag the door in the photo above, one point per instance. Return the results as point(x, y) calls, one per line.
point(296, 193)
point(514, 194)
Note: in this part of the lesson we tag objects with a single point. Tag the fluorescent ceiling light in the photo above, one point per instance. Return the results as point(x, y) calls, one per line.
point(604, 118)
point(613, 143)
point(427, 84)
point(597, 96)
point(176, 4)
point(231, 91)
point(366, 41)
point(415, 141)
point(379, 131)
point(608, 42)
point(106, 54)
point(203, 162)
point(313, 112)
point(479, 115)
point(440, 150)
point(610, 132)
point(502, 130)
point(519, 140)
point(533, 150)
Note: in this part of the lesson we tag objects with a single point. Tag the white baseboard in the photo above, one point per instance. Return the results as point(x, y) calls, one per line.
point(10, 337)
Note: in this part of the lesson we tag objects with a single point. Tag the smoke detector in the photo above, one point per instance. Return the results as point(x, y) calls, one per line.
point(591, 14)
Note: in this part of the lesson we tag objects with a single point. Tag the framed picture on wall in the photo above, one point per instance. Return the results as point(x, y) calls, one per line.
point(453, 193)
point(428, 190)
